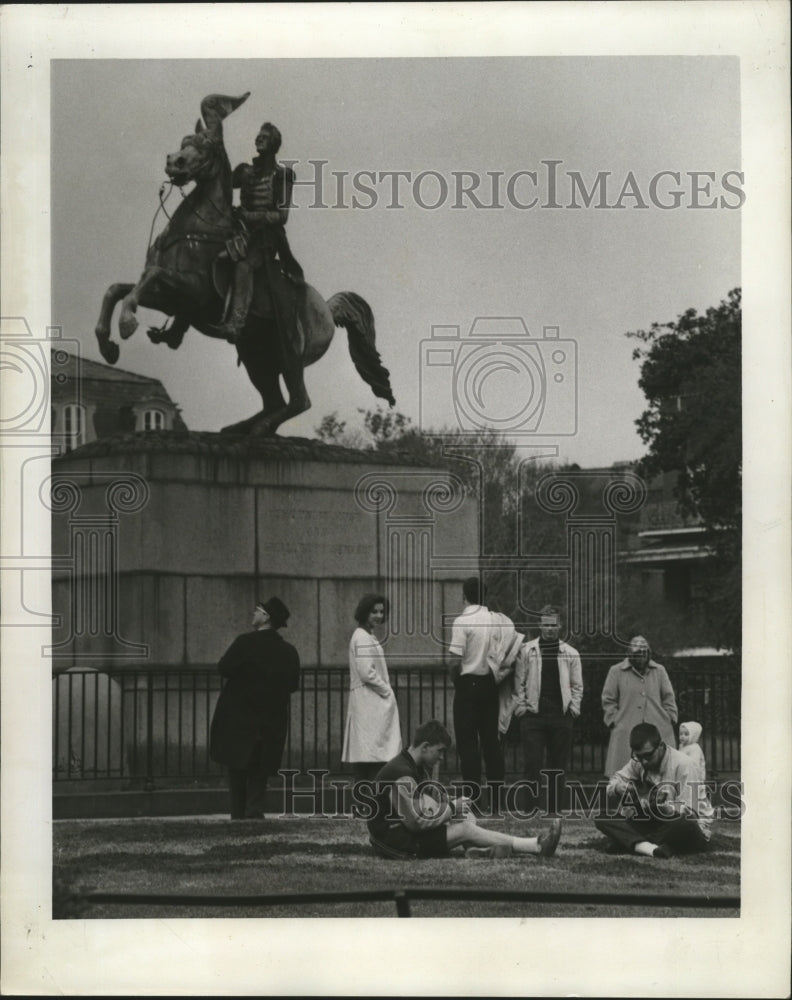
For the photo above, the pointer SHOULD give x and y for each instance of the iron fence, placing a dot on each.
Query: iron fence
(151, 726)
(402, 898)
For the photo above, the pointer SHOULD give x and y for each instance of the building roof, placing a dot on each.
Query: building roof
(77, 367)
(237, 446)
(78, 380)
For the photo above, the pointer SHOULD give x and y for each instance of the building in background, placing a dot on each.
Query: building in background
(669, 566)
(90, 400)
(669, 549)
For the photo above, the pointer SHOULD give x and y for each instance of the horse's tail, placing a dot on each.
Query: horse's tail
(354, 314)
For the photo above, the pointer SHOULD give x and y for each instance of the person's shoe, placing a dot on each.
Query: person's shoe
(499, 851)
(548, 841)
(661, 851)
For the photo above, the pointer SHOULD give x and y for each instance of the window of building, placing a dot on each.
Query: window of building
(153, 420)
(73, 426)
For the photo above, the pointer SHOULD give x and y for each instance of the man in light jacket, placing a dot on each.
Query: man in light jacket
(548, 681)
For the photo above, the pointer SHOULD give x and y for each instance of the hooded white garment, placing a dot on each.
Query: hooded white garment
(693, 750)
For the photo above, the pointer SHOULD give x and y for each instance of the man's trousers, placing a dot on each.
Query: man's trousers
(248, 787)
(547, 745)
(680, 834)
(476, 709)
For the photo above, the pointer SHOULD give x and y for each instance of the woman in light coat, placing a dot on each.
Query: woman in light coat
(372, 736)
(636, 690)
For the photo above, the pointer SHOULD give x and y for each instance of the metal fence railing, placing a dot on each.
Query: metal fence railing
(402, 898)
(149, 726)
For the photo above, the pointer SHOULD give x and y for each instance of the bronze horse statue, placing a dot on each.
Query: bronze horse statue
(187, 275)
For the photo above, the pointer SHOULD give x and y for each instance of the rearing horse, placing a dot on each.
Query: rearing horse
(186, 277)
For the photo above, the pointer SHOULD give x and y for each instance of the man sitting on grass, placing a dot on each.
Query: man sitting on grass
(409, 824)
(665, 809)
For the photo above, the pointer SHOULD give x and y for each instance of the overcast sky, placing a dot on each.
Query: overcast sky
(594, 273)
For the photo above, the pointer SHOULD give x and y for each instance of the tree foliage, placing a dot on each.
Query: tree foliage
(690, 375)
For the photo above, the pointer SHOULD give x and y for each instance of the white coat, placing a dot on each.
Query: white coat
(372, 732)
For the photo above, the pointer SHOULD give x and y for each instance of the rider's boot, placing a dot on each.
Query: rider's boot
(240, 303)
(294, 272)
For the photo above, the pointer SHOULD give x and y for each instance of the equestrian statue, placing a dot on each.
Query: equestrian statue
(230, 273)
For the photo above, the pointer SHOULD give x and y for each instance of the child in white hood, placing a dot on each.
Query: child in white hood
(689, 733)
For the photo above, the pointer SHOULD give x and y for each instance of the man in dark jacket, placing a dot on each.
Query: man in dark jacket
(252, 715)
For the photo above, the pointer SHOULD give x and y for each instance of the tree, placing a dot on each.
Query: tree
(690, 375)
(331, 430)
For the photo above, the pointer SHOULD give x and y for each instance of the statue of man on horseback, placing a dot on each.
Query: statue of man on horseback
(265, 197)
(278, 323)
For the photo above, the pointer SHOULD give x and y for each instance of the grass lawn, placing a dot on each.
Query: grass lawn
(211, 855)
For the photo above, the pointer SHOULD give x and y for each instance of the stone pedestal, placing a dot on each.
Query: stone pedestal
(162, 543)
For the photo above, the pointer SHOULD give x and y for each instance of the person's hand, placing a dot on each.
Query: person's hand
(461, 807)
(520, 710)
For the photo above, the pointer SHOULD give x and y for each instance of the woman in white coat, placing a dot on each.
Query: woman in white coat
(372, 736)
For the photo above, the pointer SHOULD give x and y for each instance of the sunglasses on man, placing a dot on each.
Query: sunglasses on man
(642, 758)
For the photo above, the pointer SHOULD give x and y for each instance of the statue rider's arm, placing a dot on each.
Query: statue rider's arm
(240, 174)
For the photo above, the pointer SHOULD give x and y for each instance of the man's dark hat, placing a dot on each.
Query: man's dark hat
(277, 611)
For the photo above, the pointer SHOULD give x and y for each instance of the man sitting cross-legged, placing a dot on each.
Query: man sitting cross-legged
(407, 823)
(664, 807)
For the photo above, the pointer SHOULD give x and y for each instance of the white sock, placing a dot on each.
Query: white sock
(525, 845)
(645, 847)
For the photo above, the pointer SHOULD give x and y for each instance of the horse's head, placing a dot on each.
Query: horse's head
(200, 155)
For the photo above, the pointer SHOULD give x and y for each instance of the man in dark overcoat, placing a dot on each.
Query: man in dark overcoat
(251, 718)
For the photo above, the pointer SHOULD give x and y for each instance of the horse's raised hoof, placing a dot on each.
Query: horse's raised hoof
(110, 351)
(127, 326)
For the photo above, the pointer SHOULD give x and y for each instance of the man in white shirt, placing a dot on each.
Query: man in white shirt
(476, 703)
